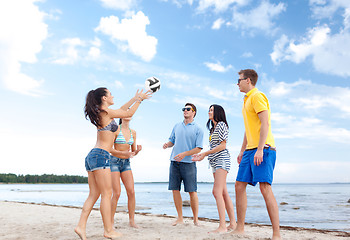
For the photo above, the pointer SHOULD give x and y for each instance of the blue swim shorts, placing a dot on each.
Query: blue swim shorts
(119, 164)
(97, 159)
(252, 174)
(186, 172)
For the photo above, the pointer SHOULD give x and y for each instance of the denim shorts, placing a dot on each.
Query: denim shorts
(119, 164)
(252, 174)
(97, 159)
(186, 172)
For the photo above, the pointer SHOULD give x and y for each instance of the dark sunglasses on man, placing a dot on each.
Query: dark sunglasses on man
(187, 109)
(241, 79)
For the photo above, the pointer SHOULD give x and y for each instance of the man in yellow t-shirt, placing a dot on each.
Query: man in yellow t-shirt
(258, 153)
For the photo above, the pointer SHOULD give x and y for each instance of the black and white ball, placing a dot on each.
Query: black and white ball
(153, 84)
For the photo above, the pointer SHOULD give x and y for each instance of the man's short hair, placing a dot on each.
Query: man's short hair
(193, 107)
(251, 74)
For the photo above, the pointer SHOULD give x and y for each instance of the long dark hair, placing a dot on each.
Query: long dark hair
(218, 116)
(92, 107)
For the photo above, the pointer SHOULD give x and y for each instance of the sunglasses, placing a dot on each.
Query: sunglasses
(187, 109)
(240, 79)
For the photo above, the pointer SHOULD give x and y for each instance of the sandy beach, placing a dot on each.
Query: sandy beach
(42, 221)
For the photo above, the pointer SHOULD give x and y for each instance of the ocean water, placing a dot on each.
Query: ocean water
(321, 206)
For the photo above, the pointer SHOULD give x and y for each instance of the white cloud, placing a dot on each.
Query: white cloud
(326, 9)
(318, 102)
(288, 50)
(306, 110)
(312, 97)
(282, 88)
(218, 5)
(217, 67)
(70, 53)
(180, 82)
(292, 127)
(217, 24)
(217, 93)
(179, 3)
(329, 53)
(94, 52)
(118, 84)
(96, 42)
(259, 18)
(74, 50)
(280, 50)
(334, 56)
(53, 14)
(175, 86)
(22, 32)
(119, 4)
(133, 32)
(247, 54)
(206, 88)
(257, 65)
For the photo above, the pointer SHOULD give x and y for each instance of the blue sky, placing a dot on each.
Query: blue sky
(53, 52)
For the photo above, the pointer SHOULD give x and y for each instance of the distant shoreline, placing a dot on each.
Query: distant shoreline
(13, 178)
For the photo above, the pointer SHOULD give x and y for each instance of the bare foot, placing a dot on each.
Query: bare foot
(231, 227)
(112, 234)
(196, 223)
(133, 224)
(238, 231)
(220, 230)
(81, 233)
(178, 221)
(277, 237)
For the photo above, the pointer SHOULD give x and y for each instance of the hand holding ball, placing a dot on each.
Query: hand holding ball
(153, 84)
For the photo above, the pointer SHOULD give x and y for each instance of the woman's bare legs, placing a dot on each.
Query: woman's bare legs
(94, 194)
(229, 209)
(116, 193)
(104, 183)
(128, 181)
(223, 200)
(99, 184)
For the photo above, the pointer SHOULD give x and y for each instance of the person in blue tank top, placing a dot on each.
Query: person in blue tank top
(120, 168)
(186, 139)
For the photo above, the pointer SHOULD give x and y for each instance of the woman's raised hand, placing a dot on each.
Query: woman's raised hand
(146, 95)
(140, 95)
(137, 95)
